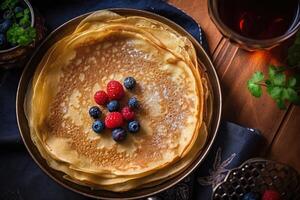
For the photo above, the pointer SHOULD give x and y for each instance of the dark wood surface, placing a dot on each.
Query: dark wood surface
(281, 128)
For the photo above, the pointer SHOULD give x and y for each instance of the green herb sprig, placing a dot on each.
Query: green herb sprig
(20, 33)
(279, 86)
(8, 4)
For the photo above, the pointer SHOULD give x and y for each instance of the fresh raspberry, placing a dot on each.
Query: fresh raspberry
(114, 120)
(271, 195)
(101, 97)
(127, 113)
(115, 90)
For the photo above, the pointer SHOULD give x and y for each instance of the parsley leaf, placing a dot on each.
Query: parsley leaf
(282, 89)
(19, 14)
(19, 35)
(25, 20)
(279, 87)
(8, 4)
(292, 82)
(276, 77)
(292, 95)
(275, 92)
(253, 84)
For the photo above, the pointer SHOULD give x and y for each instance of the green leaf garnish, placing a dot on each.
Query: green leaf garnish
(25, 20)
(282, 89)
(21, 32)
(274, 91)
(279, 87)
(19, 35)
(292, 82)
(8, 4)
(254, 84)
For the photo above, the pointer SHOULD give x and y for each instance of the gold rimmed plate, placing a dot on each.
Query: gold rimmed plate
(68, 28)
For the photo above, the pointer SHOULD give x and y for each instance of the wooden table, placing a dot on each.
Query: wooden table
(281, 128)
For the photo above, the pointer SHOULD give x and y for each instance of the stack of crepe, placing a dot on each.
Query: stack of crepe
(171, 90)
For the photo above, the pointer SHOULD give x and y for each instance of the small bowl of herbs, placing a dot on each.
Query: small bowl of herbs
(18, 32)
(16, 24)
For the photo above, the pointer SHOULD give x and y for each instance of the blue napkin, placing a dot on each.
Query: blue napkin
(57, 12)
(21, 178)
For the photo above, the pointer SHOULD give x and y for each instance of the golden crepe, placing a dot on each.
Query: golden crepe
(171, 90)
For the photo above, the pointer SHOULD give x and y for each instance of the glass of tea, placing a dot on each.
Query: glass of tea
(256, 24)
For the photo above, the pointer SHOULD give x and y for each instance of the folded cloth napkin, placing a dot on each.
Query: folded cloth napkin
(233, 145)
(21, 178)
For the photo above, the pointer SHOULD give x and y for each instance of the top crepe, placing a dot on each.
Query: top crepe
(106, 46)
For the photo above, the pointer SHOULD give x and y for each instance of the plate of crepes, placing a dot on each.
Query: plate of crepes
(119, 103)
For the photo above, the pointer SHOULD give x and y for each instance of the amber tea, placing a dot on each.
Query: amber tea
(259, 19)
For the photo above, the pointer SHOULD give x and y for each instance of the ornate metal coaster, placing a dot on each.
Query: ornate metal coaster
(257, 175)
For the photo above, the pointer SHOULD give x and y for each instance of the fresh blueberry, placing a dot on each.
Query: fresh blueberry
(4, 25)
(251, 196)
(2, 40)
(119, 134)
(18, 9)
(98, 126)
(113, 106)
(129, 83)
(133, 102)
(133, 126)
(95, 112)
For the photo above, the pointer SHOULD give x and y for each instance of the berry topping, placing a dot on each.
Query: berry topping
(98, 126)
(271, 195)
(251, 196)
(133, 126)
(129, 83)
(115, 90)
(133, 102)
(95, 112)
(119, 134)
(127, 113)
(101, 97)
(114, 120)
(113, 106)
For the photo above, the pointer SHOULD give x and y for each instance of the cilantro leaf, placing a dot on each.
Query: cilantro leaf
(253, 84)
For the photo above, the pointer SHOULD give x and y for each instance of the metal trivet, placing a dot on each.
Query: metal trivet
(257, 175)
